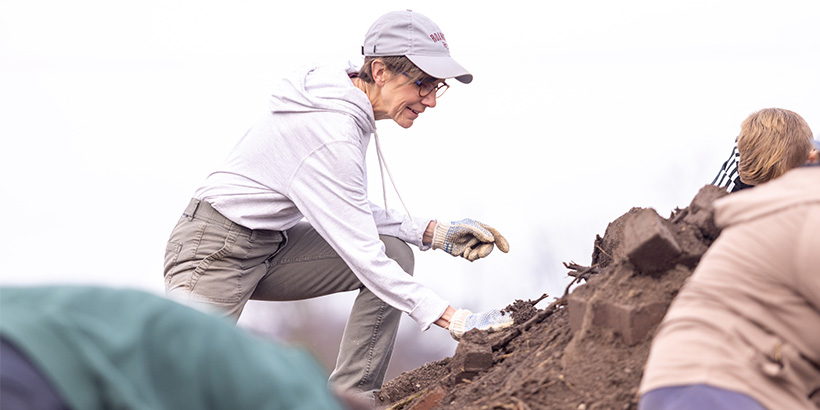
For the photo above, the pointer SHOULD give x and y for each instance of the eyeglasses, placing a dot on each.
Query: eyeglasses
(426, 88)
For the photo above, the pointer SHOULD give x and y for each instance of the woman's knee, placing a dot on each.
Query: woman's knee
(399, 251)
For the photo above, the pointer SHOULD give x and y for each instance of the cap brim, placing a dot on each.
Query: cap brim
(441, 67)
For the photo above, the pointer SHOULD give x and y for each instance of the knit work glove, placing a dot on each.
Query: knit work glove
(490, 320)
(468, 238)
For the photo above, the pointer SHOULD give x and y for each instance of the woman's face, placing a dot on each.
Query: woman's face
(401, 100)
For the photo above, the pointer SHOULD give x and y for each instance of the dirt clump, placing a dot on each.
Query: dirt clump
(587, 349)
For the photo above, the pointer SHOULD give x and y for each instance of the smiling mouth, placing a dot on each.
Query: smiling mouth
(414, 111)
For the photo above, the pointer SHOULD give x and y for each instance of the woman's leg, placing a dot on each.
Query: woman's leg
(211, 262)
(370, 333)
(308, 267)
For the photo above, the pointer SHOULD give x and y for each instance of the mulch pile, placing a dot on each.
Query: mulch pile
(587, 349)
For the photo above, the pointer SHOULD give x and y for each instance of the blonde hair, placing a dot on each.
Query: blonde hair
(771, 142)
(396, 64)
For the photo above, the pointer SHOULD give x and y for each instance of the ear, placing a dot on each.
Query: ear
(379, 71)
(814, 157)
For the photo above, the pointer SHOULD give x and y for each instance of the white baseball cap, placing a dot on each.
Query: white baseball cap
(409, 34)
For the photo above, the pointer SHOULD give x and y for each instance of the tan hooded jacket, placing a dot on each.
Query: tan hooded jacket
(748, 319)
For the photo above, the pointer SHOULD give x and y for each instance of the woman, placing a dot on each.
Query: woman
(242, 236)
(771, 142)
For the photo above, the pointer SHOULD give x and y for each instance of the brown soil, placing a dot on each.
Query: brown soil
(587, 349)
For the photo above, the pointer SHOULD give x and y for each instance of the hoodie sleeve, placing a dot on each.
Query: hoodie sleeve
(329, 189)
(394, 223)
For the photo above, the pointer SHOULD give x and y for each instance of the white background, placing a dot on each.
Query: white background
(112, 113)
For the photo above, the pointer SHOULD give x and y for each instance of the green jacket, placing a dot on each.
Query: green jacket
(109, 348)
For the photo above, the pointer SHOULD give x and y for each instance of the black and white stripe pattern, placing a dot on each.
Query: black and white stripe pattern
(728, 176)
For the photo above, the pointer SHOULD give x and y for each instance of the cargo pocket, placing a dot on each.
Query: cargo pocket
(180, 253)
(172, 250)
(217, 274)
(199, 262)
(783, 363)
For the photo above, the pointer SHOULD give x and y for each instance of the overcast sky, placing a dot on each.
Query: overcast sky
(112, 113)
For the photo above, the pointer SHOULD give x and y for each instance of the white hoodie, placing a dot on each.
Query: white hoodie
(306, 158)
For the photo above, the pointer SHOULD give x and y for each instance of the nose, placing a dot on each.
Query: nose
(429, 100)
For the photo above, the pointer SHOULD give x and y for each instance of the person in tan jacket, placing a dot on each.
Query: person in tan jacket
(744, 331)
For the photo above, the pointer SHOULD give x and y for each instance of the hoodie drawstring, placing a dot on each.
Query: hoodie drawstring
(383, 166)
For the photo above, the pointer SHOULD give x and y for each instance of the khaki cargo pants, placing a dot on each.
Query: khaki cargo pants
(213, 262)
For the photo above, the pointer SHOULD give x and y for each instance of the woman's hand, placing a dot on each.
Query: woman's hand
(467, 238)
(444, 320)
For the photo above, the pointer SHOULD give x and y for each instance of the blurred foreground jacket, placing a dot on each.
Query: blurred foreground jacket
(104, 348)
(747, 319)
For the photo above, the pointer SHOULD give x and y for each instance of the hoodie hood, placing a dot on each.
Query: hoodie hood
(794, 188)
(324, 89)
